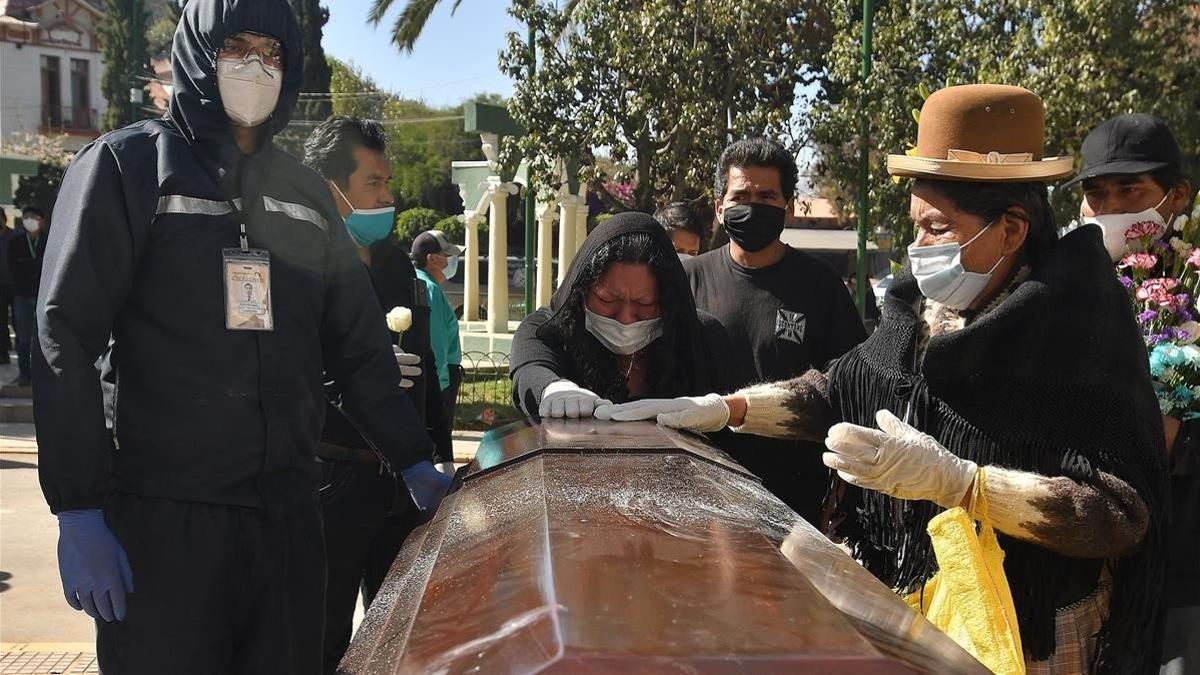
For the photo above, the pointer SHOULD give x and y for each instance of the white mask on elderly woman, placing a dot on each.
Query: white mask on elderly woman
(621, 338)
(941, 276)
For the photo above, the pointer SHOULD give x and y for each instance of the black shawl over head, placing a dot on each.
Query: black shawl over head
(1055, 381)
(681, 363)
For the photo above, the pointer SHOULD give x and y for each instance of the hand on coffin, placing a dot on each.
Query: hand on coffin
(696, 413)
(410, 366)
(564, 398)
(898, 460)
(426, 485)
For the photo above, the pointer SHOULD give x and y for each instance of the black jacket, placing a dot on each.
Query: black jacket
(198, 412)
(694, 356)
(24, 262)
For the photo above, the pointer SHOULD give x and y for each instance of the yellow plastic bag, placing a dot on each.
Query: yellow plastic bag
(969, 598)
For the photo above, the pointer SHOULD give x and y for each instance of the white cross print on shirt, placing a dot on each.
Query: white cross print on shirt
(790, 326)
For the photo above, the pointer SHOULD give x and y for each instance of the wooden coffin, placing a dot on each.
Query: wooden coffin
(583, 546)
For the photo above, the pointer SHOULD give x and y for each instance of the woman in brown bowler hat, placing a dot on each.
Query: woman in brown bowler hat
(1002, 346)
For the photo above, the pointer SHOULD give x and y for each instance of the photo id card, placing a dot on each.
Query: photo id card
(247, 289)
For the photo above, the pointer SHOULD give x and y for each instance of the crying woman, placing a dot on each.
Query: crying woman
(622, 326)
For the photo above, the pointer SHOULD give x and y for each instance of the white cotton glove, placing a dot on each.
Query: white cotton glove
(695, 413)
(410, 366)
(564, 398)
(898, 460)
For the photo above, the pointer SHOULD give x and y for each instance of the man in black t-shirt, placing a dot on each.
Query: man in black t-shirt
(787, 311)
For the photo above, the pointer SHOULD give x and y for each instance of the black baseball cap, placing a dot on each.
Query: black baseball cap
(1128, 144)
(433, 241)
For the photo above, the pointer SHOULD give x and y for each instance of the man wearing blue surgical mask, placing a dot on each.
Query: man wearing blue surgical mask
(366, 518)
(437, 262)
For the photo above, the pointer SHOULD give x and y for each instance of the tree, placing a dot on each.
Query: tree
(122, 33)
(422, 140)
(663, 84)
(312, 18)
(164, 17)
(1088, 61)
(411, 22)
(41, 189)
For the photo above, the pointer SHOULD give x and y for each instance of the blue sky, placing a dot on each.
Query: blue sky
(455, 58)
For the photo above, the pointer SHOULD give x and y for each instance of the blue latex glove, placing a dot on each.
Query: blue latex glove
(95, 572)
(426, 485)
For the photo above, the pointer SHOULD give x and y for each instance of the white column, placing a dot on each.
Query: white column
(567, 229)
(545, 254)
(581, 218)
(497, 304)
(471, 272)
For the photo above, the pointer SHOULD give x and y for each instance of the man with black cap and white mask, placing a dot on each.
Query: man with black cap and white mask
(185, 486)
(1133, 173)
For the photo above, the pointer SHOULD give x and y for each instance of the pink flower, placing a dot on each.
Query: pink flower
(1140, 261)
(1144, 228)
(1194, 258)
(1157, 291)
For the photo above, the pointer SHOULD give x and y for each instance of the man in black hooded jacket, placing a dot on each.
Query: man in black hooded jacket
(213, 273)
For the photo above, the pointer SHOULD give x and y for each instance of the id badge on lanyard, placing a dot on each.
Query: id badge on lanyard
(247, 273)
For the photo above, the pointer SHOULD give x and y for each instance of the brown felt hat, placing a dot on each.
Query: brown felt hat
(981, 132)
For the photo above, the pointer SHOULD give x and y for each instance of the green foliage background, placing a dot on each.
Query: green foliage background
(1089, 60)
(660, 84)
(422, 140)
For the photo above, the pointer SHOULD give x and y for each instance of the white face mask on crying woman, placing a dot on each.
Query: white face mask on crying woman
(621, 338)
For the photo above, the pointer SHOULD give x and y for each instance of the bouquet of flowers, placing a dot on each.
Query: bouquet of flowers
(1161, 271)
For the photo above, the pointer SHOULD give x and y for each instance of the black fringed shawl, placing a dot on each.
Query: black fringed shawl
(1054, 381)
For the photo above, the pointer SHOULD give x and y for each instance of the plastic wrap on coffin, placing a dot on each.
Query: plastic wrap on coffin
(598, 547)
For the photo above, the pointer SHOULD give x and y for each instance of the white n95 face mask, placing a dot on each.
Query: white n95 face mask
(620, 338)
(941, 276)
(249, 89)
(1115, 225)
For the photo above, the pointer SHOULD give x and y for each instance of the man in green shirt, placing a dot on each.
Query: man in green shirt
(437, 260)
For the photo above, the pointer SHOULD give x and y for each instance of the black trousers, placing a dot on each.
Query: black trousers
(367, 515)
(216, 589)
(6, 302)
(450, 393)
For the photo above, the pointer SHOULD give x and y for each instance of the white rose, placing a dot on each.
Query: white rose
(399, 319)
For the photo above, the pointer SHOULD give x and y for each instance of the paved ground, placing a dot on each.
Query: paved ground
(39, 633)
(32, 608)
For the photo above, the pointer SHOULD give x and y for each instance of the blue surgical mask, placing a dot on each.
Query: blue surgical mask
(367, 226)
(941, 276)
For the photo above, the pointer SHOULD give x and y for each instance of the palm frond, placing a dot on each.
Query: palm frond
(411, 23)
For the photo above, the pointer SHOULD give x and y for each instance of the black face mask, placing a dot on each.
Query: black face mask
(753, 226)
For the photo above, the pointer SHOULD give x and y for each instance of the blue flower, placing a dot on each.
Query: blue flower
(1173, 355)
(1191, 353)
(1157, 363)
(1184, 394)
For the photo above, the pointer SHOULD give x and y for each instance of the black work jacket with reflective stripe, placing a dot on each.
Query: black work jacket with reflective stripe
(197, 412)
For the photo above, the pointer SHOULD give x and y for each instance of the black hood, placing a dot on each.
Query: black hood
(196, 104)
(619, 225)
